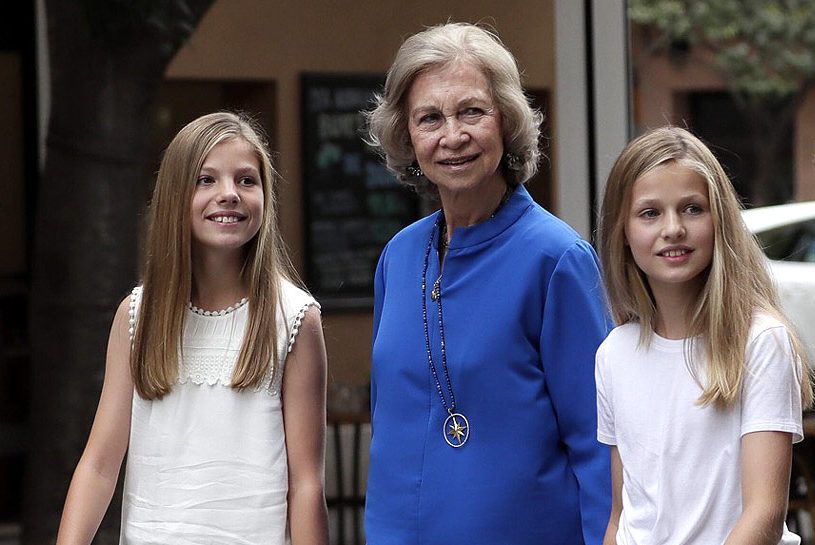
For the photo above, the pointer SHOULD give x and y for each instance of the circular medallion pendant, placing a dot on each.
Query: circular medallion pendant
(456, 430)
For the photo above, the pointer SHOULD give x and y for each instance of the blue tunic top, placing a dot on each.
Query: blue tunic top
(523, 316)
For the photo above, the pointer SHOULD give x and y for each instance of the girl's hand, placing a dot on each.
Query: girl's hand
(766, 460)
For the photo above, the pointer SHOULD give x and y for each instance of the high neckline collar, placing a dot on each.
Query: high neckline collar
(508, 214)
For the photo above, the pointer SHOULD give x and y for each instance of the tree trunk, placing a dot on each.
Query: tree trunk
(85, 248)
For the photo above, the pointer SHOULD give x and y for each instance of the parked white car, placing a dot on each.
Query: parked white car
(787, 234)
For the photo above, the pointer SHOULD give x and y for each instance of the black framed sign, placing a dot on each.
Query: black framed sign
(354, 205)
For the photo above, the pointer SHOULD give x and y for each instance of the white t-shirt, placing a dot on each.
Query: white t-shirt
(681, 461)
(206, 463)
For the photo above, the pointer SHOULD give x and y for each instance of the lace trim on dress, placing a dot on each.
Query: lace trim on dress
(131, 329)
(216, 370)
(223, 312)
(298, 320)
(209, 369)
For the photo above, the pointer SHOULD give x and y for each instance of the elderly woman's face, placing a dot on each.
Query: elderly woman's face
(455, 128)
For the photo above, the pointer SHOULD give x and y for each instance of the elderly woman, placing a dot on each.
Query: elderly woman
(487, 317)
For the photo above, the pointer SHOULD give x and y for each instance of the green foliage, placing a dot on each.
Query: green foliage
(764, 48)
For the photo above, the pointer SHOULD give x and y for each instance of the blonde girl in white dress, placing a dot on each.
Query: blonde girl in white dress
(216, 365)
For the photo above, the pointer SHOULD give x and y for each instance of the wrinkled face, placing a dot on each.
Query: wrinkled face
(227, 203)
(455, 128)
(669, 229)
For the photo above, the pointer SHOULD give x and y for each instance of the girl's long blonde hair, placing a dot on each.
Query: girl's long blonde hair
(737, 281)
(167, 280)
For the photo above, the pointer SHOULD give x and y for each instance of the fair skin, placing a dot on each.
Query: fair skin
(226, 213)
(455, 130)
(609, 538)
(669, 229)
(304, 392)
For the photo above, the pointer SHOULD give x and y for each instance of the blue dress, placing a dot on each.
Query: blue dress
(523, 317)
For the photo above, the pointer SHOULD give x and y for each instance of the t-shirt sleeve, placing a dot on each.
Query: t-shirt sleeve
(771, 393)
(605, 410)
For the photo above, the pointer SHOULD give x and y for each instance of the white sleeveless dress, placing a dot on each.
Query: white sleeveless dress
(207, 464)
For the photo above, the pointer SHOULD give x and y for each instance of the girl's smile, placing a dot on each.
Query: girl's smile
(677, 256)
(226, 218)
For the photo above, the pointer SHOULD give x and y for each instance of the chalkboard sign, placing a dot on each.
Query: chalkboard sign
(354, 205)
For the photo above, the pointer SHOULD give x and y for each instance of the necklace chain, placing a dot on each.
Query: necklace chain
(437, 292)
(456, 427)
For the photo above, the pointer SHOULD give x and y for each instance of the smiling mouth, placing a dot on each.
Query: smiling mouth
(674, 253)
(226, 219)
(459, 160)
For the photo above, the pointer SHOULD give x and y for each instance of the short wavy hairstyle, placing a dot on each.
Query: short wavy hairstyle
(439, 46)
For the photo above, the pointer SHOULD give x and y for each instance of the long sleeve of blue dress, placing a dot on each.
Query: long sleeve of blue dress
(575, 322)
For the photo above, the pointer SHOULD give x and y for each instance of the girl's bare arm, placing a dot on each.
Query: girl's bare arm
(616, 498)
(96, 473)
(304, 390)
(766, 459)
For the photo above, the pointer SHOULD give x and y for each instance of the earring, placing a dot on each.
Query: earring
(414, 170)
(512, 161)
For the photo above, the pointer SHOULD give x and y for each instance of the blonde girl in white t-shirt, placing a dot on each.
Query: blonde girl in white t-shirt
(700, 387)
(223, 445)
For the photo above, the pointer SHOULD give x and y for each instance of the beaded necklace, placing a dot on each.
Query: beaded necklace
(456, 427)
